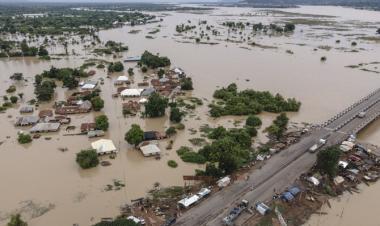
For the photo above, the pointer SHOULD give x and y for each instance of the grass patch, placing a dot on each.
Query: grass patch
(188, 155)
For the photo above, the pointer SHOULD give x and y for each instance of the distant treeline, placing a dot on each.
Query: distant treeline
(368, 4)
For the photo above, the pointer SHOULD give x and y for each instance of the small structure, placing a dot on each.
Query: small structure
(143, 100)
(131, 92)
(131, 106)
(338, 180)
(294, 190)
(153, 135)
(137, 220)
(95, 133)
(122, 80)
(104, 146)
(189, 201)
(80, 107)
(262, 208)
(27, 121)
(313, 180)
(26, 109)
(88, 85)
(86, 127)
(61, 119)
(224, 182)
(132, 59)
(148, 91)
(150, 150)
(45, 127)
(45, 113)
(287, 196)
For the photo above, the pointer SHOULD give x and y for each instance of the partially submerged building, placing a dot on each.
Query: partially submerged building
(86, 127)
(131, 92)
(104, 146)
(150, 149)
(27, 121)
(45, 127)
(26, 109)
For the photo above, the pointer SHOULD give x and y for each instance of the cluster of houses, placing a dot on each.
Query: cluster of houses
(44, 122)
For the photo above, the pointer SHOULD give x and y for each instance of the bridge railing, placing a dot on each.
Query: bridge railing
(366, 122)
(340, 114)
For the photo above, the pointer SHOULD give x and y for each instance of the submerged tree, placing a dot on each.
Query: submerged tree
(135, 135)
(87, 158)
(16, 221)
(156, 105)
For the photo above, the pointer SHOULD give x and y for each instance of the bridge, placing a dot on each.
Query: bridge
(283, 168)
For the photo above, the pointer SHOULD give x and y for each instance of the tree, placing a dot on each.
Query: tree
(87, 158)
(69, 81)
(24, 138)
(156, 105)
(327, 161)
(144, 69)
(117, 222)
(135, 135)
(289, 27)
(42, 51)
(187, 84)
(21, 95)
(97, 103)
(154, 61)
(13, 99)
(278, 126)
(101, 122)
(253, 120)
(45, 90)
(161, 73)
(16, 221)
(130, 71)
(116, 67)
(171, 131)
(175, 115)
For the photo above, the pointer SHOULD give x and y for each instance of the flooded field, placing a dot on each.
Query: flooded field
(48, 187)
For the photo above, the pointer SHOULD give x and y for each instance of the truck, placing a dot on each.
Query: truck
(361, 114)
(316, 146)
(235, 212)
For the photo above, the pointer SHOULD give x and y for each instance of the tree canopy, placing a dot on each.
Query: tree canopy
(97, 103)
(327, 161)
(101, 122)
(156, 105)
(87, 158)
(278, 126)
(154, 61)
(249, 101)
(135, 135)
(16, 221)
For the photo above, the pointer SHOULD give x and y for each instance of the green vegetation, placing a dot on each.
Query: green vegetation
(172, 164)
(197, 141)
(44, 90)
(24, 138)
(378, 31)
(249, 101)
(97, 103)
(130, 71)
(117, 222)
(175, 115)
(16, 221)
(187, 84)
(87, 158)
(327, 161)
(17, 76)
(115, 67)
(156, 105)
(13, 99)
(11, 89)
(101, 122)
(62, 19)
(154, 61)
(279, 126)
(188, 155)
(135, 135)
(68, 76)
(253, 120)
(171, 131)
(184, 28)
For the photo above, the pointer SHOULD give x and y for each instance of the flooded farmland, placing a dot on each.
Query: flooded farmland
(47, 186)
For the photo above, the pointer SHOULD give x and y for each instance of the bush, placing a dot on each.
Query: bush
(11, 89)
(87, 158)
(101, 122)
(253, 120)
(175, 115)
(170, 131)
(16, 221)
(279, 126)
(172, 164)
(187, 84)
(144, 69)
(13, 99)
(97, 103)
(130, 71)
(24, 138)
(188, 155)
(154, 61)
(117, 222)
(116, 67)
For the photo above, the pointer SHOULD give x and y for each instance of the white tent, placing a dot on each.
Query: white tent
(131, 92)
(104, 146)
(186, 202)
(122, 78)
(88, 86)
(150, 149)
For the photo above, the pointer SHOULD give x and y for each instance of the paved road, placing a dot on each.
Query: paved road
(282, 169)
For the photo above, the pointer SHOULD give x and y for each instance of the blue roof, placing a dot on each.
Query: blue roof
(294, 190)
(287, 196)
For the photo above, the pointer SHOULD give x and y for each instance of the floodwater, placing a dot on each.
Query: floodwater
(40, 177)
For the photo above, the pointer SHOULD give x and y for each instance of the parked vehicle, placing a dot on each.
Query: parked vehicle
(235, 212)
(316, 146)
(361, 114)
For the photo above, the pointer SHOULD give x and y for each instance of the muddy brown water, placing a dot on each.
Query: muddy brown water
(45, 175)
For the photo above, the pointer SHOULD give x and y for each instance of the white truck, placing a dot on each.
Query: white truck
(316, 146)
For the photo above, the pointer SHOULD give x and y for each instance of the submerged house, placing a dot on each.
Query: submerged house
(45, 113)
(27, 121)
(86, 127)
(80, 107)
(26, 109)
(45, 127)
(131, 92)
(104, 146)
(150, 149)
(153, 135)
